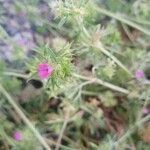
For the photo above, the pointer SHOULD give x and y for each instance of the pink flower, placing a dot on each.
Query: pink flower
(25, 43)
(44, 70)
(146, 110)
(139, 74)
(21, 42)
(18, 136)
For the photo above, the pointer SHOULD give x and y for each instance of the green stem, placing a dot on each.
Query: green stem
(16, 74)
(99, 46)
(131, 130)
(90, 80)
(61, 135)
(122, 19)
(101, 82)
(24, 118)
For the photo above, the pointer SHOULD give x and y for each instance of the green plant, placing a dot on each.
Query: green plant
(92, 98)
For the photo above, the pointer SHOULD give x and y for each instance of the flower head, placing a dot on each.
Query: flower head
(18, 136)
(146, 110)
(21, 42)
(44, 70)
(139, 74)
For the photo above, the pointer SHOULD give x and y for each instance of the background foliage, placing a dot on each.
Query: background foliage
(92, 101)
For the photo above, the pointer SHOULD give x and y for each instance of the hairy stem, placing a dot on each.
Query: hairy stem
(24, 118)
(101, 82)
(99, 46)
(16, 74)
(62, 131)
(131, 130)
(122, 19)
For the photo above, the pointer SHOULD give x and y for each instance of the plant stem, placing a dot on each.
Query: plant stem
(122, 19)
(96, 80)
(24, 118)
(62, 131)
(16, 74)
(131, 130)
(101, 82)
(99, 46)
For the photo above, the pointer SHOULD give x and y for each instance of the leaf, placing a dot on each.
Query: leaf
(108, 99)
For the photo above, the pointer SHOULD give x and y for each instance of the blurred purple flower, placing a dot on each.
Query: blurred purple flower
(25, 43)
(44, 70)
(22, 42)
(139, 74)
(18, 136)
(146, 110)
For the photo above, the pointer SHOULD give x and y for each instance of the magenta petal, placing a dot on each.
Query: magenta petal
(43, 74)
(44, 70)
(139, 74)
(18, 136)
(146, 110)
